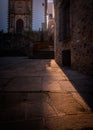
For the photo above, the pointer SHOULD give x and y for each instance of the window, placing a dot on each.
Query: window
(12, 22)
(64, 20)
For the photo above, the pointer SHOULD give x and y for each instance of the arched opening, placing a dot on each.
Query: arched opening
(19, 26)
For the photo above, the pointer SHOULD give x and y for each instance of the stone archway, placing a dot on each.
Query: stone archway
(19, 26)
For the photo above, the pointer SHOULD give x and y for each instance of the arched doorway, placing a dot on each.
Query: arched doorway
(19, 26)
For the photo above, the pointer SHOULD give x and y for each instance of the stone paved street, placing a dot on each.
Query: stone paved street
(37, 94)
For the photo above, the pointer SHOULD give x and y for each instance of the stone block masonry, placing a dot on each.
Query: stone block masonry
(74, 32)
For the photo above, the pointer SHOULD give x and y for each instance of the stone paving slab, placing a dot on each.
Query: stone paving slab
(12, 113)
(11, 99)
(65, 103)
(24, 84)
(18, 72)
(44, 110)
(53, 78)
(67, 86)
(67, 122)
(3, 82)
(70, 122)
(52, 86)
(9, 61)
(87, 105)
(23, 106)
(39, 95)
(23, 124)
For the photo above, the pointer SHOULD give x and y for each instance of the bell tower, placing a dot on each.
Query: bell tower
(20, 16)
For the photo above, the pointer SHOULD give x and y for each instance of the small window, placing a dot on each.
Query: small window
(12, 22)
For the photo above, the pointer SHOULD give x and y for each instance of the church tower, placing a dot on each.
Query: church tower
(20, 16)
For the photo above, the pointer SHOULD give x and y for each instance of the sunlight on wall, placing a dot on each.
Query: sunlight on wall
(50, 0)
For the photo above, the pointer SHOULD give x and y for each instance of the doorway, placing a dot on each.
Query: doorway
(19, 26)
(66, 58)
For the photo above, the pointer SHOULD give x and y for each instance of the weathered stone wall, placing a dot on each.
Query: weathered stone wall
(82, 35)
(57, 44)
(80, 40)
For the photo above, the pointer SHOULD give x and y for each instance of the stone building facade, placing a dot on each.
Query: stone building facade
(20, 15)
(27, 15)
(74, 34)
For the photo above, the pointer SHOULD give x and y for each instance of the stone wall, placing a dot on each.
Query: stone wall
(82, 35)
(57, 44)
(74, 32)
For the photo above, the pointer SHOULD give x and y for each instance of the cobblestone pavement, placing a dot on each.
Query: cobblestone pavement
(37, 94)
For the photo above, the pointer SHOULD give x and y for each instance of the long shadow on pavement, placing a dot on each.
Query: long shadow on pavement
(83, 85)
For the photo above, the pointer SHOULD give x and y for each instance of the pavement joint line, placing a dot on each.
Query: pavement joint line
(45, 118)
(83, 105)
(68, 92)
(9, 81)
(6, 91)
(53, 107)
(15, 121)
